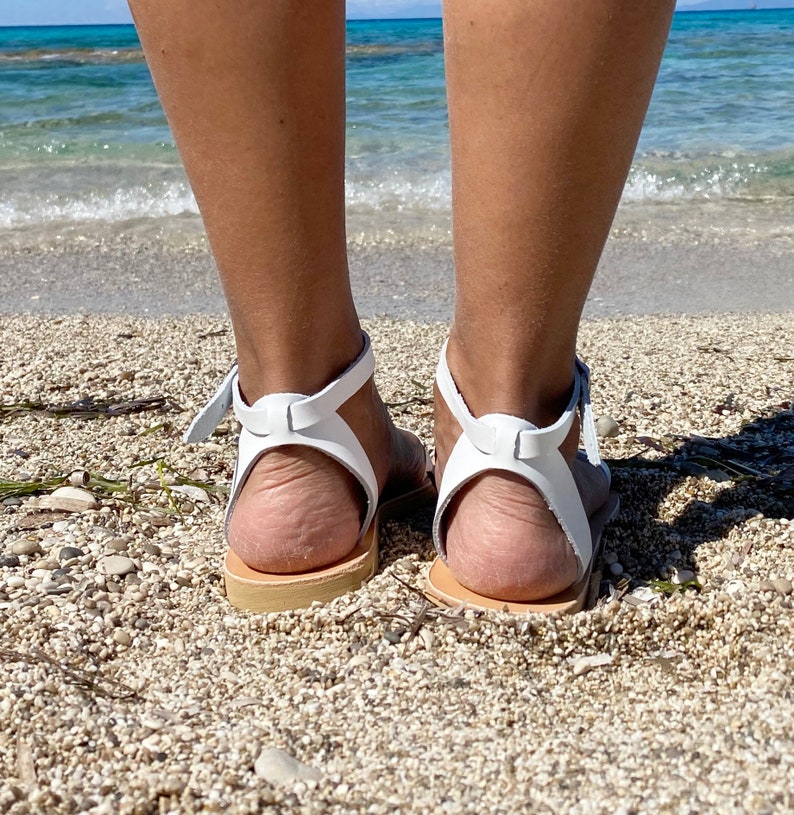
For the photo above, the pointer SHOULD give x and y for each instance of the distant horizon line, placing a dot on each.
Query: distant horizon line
(693, 10)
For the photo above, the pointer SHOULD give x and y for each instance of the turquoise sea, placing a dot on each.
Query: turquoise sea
(84, 146)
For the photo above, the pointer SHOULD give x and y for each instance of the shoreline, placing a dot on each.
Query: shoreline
(637, 275)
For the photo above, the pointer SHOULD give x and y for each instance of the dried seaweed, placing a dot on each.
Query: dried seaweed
(77, 677)
(181, 479)
(91, 408)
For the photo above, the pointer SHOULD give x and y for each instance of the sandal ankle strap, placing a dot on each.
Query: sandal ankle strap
(532, 441)
(301, 414)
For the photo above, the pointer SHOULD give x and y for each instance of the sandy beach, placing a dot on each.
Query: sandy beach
(128, 683)
(131, 686)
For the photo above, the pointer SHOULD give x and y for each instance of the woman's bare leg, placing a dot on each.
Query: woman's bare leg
(254, 93)
(546, 101)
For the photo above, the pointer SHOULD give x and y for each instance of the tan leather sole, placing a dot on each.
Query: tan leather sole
(252, 590)
(444, 590)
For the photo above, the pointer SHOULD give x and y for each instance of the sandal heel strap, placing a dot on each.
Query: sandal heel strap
(589, 433)
(298, 411)
(281, 419)
(498, 442)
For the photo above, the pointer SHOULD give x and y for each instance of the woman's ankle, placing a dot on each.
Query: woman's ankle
(510, 379)
(303, 364)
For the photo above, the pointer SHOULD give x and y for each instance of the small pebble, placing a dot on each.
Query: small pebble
(116, 565)
(616, 569)
(607, 427)
(279, 767)
(781, 585)
(25, 547)
(69, 552)
(9, 561)
(122, 637)
(610, 558)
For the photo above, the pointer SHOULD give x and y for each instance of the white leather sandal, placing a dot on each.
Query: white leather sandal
(510, 444)
(281, 419)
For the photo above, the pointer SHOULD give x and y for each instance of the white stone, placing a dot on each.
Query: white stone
(116, 565)
(278, 767)
(197, 494)
(646, 594)
(584, 665)
(69, 499)
(682, 576)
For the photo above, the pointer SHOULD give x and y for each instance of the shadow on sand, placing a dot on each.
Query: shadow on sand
(756, 465)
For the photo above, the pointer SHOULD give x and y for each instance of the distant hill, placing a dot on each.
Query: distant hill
(727, 5)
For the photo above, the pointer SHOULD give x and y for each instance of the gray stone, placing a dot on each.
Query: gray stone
(607, 427)
(8, 561)
(25, 547)
(278, 767)
(69, 552)
(616, 569)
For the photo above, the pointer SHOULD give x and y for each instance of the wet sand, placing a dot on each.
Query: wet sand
(636, 276)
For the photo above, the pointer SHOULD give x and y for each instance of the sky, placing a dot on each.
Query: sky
(57, 12)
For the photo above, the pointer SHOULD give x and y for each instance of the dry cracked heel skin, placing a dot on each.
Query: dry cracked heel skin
(256, 591)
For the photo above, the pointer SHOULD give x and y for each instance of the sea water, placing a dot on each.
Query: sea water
(85, 148)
